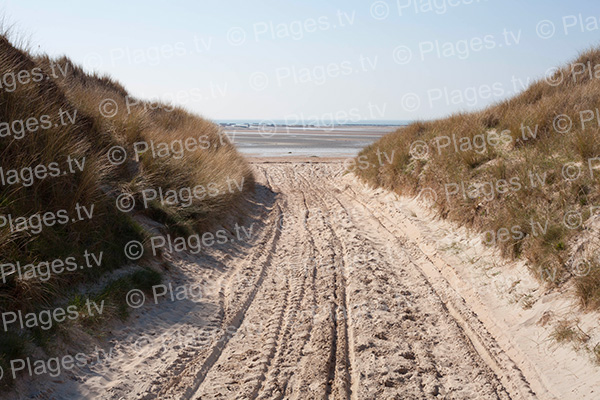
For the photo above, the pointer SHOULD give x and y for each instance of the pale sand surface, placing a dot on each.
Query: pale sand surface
(342, 292)
(336, 141)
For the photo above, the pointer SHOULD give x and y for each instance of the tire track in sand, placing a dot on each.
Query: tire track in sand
(345, 311)
(186, 383)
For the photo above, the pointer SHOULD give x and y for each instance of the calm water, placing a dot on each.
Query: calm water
(340, 141)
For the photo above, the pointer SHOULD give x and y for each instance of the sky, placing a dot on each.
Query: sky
(314, 60)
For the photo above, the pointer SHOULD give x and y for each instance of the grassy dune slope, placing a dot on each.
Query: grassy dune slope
(65, 102)
(518, 171)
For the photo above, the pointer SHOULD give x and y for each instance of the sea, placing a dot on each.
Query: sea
(277, 138)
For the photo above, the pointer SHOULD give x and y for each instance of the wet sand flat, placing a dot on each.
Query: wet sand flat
(337, 141)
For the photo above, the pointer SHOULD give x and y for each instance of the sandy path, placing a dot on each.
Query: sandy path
(343, 311)
(332, 298)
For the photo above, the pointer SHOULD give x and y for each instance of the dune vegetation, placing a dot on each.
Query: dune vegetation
(60, 178)
(523, 172)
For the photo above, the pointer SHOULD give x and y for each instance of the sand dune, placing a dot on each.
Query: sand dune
(341, 292)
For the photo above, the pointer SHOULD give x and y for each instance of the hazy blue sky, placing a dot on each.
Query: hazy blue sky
(312, 59)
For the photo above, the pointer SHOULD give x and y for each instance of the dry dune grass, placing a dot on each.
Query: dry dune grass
(531, 150)
(63, 89)
(214, 162)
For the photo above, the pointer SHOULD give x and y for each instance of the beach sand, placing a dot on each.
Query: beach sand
(342, 291)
